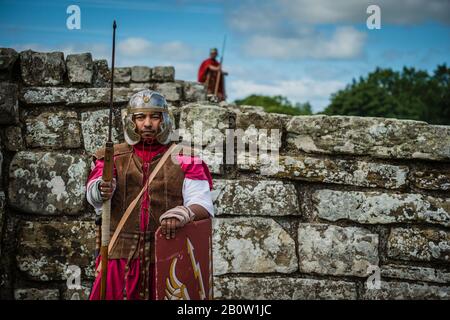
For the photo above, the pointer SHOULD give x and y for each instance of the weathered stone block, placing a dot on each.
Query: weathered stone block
(102, 75)
(140, 74)
(80, 68)
(53, 130)
(431, 179)
(172, 91)
(122, 75)
(249, 197)
(74, 97)
(307, 168)
(8, 58)
(380, 208)
(419, 244)
(377, 137)
(407, 291)
(163, 74)
(59, 95)
(415, 273)
(47, 249)
(282, 288)
(36, 294)
(94, 126)
(141, 86)
(260, 119)
(41, 68)
(9, 106)
(334, 250)
(194, 91)
(204, 124)
(258, 129)
(47, 183)
(13, 139)
(256, 245)
(264, 162)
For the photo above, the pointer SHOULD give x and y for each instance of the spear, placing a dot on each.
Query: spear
(219, 73)
(107, 176)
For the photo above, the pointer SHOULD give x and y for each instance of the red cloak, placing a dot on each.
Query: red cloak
(204, 67)
(210, 76)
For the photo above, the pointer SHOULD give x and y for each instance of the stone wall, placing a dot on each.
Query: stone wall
(352, 201)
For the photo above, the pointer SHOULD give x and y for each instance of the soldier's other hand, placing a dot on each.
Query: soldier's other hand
(107, 189)
(169, 226)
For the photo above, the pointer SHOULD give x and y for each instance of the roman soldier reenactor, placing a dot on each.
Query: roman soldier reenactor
(212, 76)
(178, 195)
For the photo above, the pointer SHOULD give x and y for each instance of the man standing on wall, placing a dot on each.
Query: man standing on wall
(179, 194)
(211, 75)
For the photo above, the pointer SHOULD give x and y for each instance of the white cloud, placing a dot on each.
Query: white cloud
(254, 15)
(177, 50)
(141, 47)
(301, 90)
(289, 29)
(354, 11)
(344, 43)
(249, 17)
(133, 47)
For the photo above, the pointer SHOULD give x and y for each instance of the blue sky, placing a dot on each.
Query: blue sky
(302, 49)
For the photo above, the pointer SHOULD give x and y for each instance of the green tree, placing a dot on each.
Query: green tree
(409, 94)
(276, 104)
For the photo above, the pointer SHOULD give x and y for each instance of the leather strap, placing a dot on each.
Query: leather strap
(133, 204)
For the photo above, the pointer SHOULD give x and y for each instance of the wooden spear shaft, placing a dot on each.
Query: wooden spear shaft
(107, 176)
(219, 73)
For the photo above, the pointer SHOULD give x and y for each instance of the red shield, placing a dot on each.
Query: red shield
(184, 264)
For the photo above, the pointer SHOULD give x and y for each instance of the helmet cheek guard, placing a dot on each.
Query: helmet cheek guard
(129, 128)
(166, 128)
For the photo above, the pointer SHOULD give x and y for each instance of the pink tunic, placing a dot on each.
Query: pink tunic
(195, 170)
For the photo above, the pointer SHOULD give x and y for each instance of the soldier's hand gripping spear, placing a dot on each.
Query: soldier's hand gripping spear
(107, 176)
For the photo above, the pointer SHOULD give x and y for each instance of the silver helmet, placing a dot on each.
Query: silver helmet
(146, 101)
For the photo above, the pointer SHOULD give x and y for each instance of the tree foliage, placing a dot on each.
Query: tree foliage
(409, 94)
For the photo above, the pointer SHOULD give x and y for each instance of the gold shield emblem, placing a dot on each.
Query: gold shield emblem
(183, 265)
